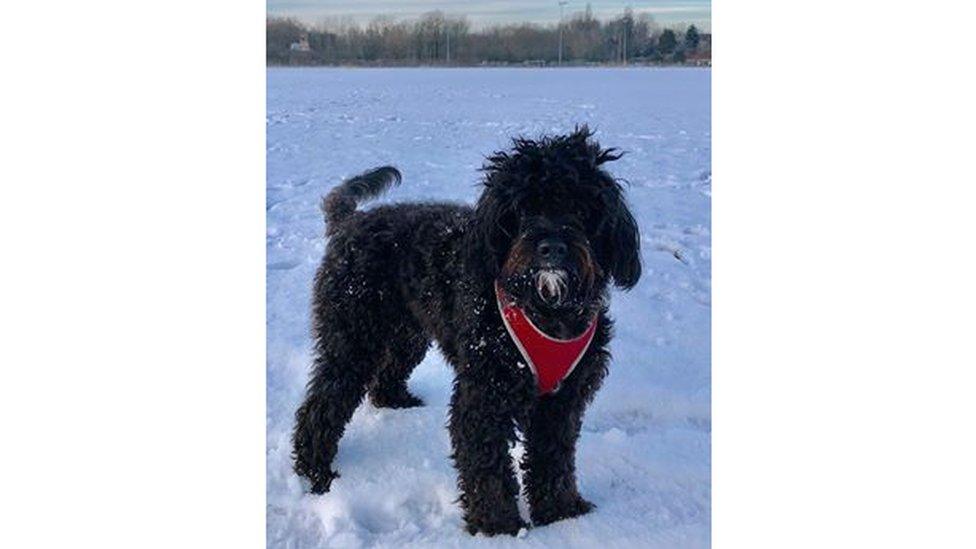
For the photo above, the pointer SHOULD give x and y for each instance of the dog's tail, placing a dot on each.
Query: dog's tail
(341, 202)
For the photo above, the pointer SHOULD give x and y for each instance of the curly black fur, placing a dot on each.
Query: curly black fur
(397, 277)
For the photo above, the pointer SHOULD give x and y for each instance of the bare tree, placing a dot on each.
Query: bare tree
(437, 38)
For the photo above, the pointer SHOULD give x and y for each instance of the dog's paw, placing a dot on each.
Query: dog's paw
(563, 509)
(322, 483)
(493, 527)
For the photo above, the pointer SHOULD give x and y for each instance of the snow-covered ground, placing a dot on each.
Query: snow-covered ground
(644, 454)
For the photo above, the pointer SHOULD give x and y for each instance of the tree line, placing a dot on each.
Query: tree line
(439, 39)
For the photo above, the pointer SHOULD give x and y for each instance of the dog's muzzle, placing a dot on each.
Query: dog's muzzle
(551, 285)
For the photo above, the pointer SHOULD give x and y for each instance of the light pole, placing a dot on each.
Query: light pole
(562, 4)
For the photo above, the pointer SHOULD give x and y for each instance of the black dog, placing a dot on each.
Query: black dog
(552, 230)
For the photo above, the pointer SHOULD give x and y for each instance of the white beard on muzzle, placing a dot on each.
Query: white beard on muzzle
(551, 285)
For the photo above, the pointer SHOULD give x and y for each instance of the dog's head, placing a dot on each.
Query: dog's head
(552, 225)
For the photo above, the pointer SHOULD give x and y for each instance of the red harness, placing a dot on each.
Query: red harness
(551, 359)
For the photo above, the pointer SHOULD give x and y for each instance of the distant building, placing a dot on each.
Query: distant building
(702, 56)
(301, 45)
(705, 43)
(698, 59)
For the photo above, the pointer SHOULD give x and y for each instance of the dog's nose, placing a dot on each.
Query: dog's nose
(552, 249)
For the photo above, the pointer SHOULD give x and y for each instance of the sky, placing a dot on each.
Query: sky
(486, 12)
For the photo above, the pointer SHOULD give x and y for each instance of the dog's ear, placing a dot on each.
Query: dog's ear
(620, 237)
(491, 233)
(622, 243)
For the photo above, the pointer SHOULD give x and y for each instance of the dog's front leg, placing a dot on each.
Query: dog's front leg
(482, 430)
(549, 462)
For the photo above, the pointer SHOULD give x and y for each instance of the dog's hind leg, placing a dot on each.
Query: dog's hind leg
(337, 387)
(388, 388)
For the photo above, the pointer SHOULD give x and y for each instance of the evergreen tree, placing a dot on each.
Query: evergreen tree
(667, 42)
(692, 39)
